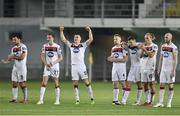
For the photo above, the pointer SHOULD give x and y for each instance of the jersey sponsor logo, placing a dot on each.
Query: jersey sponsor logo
(50, 54)
(16, 49)
(168, 49)
(117, 50)
(149, 48)
(76, 50)
(116, 55)
(166, 54)
(133, 51)
(50, 48)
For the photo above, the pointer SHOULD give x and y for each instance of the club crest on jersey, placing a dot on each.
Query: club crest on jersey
(50, 54)
(166, 54)
(76, 50)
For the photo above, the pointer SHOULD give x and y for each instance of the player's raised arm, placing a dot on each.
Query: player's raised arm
(63, 38)
(88, 42)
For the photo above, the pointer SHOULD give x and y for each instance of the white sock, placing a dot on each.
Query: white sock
(24, 90)
(125, 96)
(161, 95)
(15, 93)
(90, 91)
(116, 94)
(148, 96)
(42, 91)
(57, 94)
(171, 93)
(76, 93)
(139, 94)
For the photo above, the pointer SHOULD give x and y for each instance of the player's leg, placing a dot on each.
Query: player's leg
(161, 95)
(139, 92)
(22, 83)
(139, 85)
(147, 94)
(24, 91)
(14, 91)
(115, 93)
(153, 91)
(126, 91)
(75, 79)
(43, 89)
(163, 80)
(89, 88)
(57, 90)
(14, 86)
(171, 93)
(76, 91)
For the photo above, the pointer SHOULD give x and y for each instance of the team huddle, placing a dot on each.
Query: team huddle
(142, 70)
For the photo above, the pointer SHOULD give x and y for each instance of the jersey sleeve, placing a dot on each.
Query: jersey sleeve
(85, 44)
(59, 51)
(24, 49)
(161, 50)
(175, 50)
(155, 48)
(125, 52)
(43, 49)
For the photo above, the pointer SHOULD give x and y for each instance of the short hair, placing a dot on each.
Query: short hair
(51, 35)
(117, 35)
(131, 38)
(19, 36)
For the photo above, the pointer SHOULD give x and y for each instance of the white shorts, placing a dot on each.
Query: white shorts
(51, 72)
(78, 71)
(165, 77)
(119, 74)
(19, 75)
(148, 75)
(134, 74)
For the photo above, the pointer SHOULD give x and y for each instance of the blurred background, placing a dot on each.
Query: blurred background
(33, 19)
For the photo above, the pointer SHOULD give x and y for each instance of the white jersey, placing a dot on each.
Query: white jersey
(51, 52)
(135, 53)
(77, 52)
(147, 62)
(18, 51)
(118, 52)
(167, 52)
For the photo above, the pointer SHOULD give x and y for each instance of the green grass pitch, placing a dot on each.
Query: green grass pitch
(102, 106)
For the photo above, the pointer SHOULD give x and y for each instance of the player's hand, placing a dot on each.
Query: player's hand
(173, 73)
(88, 28)
(158, 72)
(5, 61)
(10, 57)
(109, 59)
(61, 28)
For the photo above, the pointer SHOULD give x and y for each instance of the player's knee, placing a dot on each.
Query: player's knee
(57, 86)
(14, 85)
(75, 86)
(171, 89)
(44, 85)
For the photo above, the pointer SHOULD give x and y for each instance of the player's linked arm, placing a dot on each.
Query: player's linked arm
(60, 58)
(149, 53)
(122, 60)
(89, 41)
(63, 38)
(21, 57)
